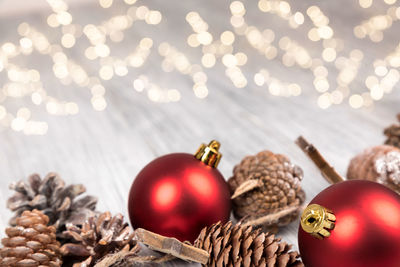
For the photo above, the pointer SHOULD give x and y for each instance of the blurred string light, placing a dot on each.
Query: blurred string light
(262, 40)
(386, 75)
(154, 92)
(275, 86)
(347, 66)
(175, 60)
(216, 48)
(282, 9)
(24, 82)
(213, 50)
(375, 26)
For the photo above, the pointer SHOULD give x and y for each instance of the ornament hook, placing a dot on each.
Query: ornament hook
(209, 154)
(318, 221)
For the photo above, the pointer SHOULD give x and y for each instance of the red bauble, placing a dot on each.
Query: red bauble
(366, 232)
(177, 195)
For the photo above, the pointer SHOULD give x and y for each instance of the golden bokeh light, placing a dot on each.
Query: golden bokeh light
(227, 38)
(106, 72)
(105, 3)
(365, 3)
(332, 63)
(68, 40)
(356, 101)
(208, 60)
(325, 101)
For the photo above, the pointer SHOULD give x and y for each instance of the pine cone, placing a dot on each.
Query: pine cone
(267, 184)
(54, 199)
(379, 164)
(31, 243)
(242, 246)
(393, 134)
(100, 236)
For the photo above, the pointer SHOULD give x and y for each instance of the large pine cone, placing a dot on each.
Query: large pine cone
(56, 200)
(99, 237)
(379, 164)
(242, 246)
(393, 134)
(31, 243)
(266, 184)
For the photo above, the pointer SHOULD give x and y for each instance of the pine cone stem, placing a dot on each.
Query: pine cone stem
(329, 173)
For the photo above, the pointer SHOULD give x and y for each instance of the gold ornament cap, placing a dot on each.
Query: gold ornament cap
(318, 221)
(209, 154)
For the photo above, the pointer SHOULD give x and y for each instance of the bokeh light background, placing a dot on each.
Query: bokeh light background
(337, 53)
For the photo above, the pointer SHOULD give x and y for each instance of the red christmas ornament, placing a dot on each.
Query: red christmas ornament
(352, 224)
(178, 194)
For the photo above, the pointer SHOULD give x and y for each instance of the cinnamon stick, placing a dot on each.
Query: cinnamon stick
(329, 173)
(172, 246)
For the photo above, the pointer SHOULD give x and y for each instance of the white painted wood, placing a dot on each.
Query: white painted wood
(105, 150)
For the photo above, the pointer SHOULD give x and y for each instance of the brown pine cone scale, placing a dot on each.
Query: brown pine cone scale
(100, 236)
(61, 203)
(266, 184)
(31, 242)
(379, 164)
(236, 245)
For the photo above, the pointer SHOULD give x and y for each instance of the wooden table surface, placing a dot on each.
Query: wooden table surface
(105, 150)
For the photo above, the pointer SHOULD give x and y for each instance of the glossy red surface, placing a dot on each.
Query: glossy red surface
(177, 195)
(367, 231)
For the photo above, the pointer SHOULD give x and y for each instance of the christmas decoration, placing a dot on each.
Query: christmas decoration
(366, 227)
(351, 223)
(106, 240)
(100, 236)
(267, 184)
(393, 134)
(379, 164)
(31, 242)
(172, 246)
(178, 194)
(237, 245)
(50, 195)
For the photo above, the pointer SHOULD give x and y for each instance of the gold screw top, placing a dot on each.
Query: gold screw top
(318, 221)
(209, 153)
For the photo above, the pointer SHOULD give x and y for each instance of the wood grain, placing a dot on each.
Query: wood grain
(105, 150)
